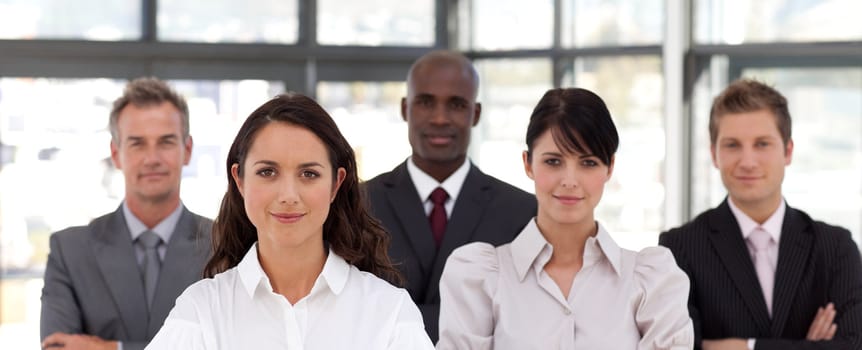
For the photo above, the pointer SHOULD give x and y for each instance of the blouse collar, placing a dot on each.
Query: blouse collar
(334, 274)
(530, 249)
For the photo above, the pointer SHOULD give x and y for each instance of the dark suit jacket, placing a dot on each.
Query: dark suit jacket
(93, 284)
(486, 210)
(817, 264)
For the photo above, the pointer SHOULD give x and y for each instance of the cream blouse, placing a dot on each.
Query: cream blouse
(501, 298)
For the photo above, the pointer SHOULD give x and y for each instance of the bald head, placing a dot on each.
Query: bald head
(440, 60)
(440, 110)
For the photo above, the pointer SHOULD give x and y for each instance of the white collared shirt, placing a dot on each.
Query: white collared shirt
(502, 298)
(772, 226)
(346, 309)
(425, 184)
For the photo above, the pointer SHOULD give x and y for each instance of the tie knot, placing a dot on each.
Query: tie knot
(760, 239)
(439, 196)
(149, 239)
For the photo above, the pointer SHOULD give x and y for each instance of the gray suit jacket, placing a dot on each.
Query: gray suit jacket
(93, 284)
(486, 210)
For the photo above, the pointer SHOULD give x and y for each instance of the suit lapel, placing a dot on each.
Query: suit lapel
(180, 268)
(727, 240)
(407, 206)
(466, 215)
(794, 252)
(115, 257)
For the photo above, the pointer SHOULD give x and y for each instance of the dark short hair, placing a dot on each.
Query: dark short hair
(748, 95)
(579, 121)
(144, 92)
(349, 229)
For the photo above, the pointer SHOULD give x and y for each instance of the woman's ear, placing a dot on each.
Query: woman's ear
(234, 173)
(528, 168)
(340, 174)
(611, 167)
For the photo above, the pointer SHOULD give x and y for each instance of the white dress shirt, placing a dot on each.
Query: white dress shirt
(425, 184)
(501, 298)
(346, 309)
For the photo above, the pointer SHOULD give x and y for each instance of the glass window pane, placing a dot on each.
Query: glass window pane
(376, 22)
(825, 177)
(251, 21)
(364, 111)
(509, 90)
(632, 207)
(61, 148)
(747, 21)
(612, 22)
(508, 24)
(84, 19)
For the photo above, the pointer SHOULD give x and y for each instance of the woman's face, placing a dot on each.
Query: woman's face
(568, 185)
(287, 185)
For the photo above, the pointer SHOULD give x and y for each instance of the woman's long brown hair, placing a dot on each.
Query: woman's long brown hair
(350, 230)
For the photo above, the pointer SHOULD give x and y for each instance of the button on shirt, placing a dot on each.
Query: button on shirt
(502, 298)
(346, 309)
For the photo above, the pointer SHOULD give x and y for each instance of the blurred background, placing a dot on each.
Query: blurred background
(657, 64)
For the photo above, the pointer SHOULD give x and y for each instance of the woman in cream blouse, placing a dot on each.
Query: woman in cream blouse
(564, 283)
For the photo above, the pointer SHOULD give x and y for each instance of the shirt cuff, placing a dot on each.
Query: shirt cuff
(750, 344)
(119, 345)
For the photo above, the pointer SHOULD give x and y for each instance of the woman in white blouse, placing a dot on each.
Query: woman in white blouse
(298, 261)
(564, 283)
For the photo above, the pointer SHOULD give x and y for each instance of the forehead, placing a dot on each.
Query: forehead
(759, 123)
(143, 119)
(442, 79)
(287, 144)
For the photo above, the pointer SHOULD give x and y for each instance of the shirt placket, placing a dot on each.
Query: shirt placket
(292, 328)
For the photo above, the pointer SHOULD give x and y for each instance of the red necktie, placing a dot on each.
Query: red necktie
(438, 214)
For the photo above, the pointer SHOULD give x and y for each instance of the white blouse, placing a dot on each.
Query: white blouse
(346, 309)
(501, 298)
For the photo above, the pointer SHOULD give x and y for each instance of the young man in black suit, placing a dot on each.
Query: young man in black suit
(763, 274)
(440, 110)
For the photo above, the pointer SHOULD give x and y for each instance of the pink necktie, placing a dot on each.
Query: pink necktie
(437, 218)
(761, 240)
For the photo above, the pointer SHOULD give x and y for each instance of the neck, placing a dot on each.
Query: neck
(759, 211)
(151, 213)
(568, 240)
(440, 171)
(292, 270)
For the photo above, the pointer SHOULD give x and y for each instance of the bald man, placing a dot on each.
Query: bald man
(437, 200)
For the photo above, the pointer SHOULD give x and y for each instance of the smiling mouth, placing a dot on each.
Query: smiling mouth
(439, 140)
(152, 175)
(569, 199)
(287, 218)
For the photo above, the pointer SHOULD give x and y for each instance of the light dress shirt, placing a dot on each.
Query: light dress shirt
(425, 184)
(346, 309)
(772, 226)
(501, 298)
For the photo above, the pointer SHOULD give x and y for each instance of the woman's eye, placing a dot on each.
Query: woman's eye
(589, 163)
(266, 172)
(310, 174)
(552, 161)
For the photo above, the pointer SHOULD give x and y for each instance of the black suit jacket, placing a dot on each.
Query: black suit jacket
(486, 210)
(93, 283)
(817, 264)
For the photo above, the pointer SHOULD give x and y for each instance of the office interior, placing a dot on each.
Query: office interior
(657, 64)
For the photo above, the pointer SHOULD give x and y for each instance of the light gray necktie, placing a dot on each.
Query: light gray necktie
(152, 263)
(761, 240)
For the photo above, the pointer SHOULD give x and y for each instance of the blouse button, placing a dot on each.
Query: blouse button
(567, 311)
